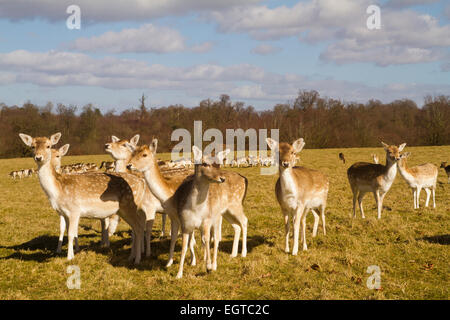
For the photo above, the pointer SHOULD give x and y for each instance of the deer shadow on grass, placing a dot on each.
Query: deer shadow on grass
(439, 239)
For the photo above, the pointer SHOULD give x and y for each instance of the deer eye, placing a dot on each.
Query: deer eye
(57, 156)
(48, 147)
(144, 155)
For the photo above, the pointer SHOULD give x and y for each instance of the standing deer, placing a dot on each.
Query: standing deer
(122, 154)
(57, 155)
(90, 195)
(341, 156)
(298, 190)
(201, 202)
(144, 160)
(418, 177)
(447, 170)
(376, 178)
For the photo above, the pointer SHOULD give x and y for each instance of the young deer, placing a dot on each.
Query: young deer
(90, 195)
(298, 190)
(375, 158)
(376, 178)
(418, 177)
(122, 154)
(447, 170)
(201, 202)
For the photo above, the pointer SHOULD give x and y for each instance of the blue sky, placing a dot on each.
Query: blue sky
(259, 52)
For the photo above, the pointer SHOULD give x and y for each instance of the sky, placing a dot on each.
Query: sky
(184, 51)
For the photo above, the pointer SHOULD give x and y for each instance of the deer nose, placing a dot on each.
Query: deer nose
(222, 180)
(107, 146)
(285, 164)
(130, 166)
(38, 158)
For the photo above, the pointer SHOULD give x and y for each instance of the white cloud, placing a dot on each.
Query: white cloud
(109, 10)
(265, 49)
(242, 81)
(408, 3)
(406, 36)
(147, 38)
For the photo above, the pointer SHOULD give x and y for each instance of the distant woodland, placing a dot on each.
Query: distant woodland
(323, 122)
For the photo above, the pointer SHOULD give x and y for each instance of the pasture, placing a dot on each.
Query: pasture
(411, 247)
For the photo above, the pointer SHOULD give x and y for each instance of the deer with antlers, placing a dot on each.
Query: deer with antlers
(298, 190)
(376, 178)
(90, 195)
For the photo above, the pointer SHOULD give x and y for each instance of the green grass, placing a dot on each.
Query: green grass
(410, 247)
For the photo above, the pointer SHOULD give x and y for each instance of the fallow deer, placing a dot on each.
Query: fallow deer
(201, 202)
(447, 170)
(298, 190)
(144, 160)
(90, 195)
(122, 154)
(376, 178)
(418, 177)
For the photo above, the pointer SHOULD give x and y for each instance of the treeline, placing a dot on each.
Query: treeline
(322, 122)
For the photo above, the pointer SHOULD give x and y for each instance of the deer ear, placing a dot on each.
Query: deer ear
(63, 150)
(55, 138)
(298, 145)
(28, 140)
(401, 147)
(130, 146)
(197, 154)
(385, 145)
(273, 144)
(154, 145)
(134, 141)
(114, 139)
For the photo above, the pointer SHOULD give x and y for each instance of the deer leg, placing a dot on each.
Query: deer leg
(286, 231)
(415, 197)
(355, 196)
(217, 225)
(192, 248)
(433, 191)
(297, 218)
(184, 248)
(206, 236)
(113, 223)
(428, 191)
(322, 214)
(316, 222)
(173, 240)
(74, 218)
(360, 199)
(62, 229)
(418, 196)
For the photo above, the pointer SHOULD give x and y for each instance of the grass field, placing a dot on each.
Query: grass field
(410, 247)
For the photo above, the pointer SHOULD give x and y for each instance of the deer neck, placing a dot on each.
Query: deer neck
(391, 170)
(404, 170)
(287, 181)
(50, 183)
(121, 164)
(157, 184)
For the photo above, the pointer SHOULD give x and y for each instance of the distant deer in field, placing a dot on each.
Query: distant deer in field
(90, 195)
(418, 177)
(108, 165)
(341, 156)
(447, 170)
(201, 202)
(375, 158)
(298, 190)
(376, 178)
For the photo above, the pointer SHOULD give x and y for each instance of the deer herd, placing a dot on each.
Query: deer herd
(137, 186)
